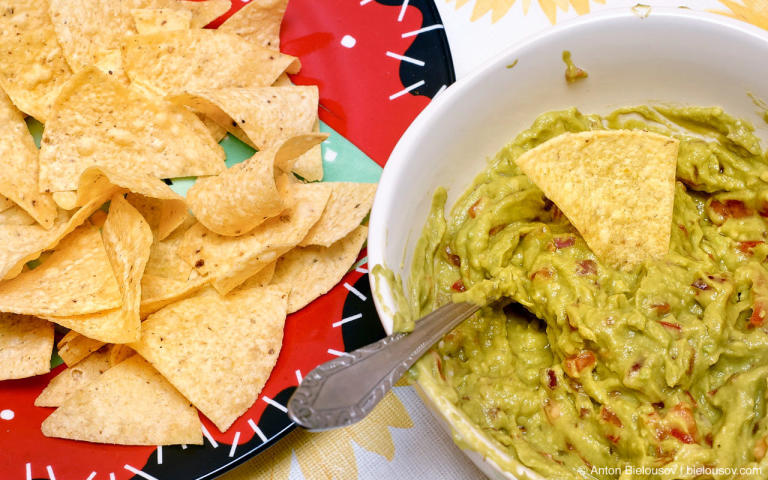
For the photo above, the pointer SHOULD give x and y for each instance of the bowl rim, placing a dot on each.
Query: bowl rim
(397, 164)
(430, 387)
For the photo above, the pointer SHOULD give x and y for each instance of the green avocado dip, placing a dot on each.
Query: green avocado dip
(660, 371)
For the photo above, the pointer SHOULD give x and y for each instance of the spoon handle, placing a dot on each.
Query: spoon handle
(342, 391)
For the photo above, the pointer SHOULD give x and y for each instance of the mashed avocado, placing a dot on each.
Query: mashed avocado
(664, 366)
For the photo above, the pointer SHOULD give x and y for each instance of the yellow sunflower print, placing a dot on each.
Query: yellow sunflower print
(329, 455)
(752, 11)
(499, 8)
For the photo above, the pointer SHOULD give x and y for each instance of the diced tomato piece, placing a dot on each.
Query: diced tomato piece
(746, 247)
(682, 436)
(682, 424)
(475, 208)
(543, 273)
(758, 314)
(453, 258)
(458, 286)
(563, 242)
(551, 378)
(607, 415)
(661, 308)
(587, 267)
(493, 231)
(708, 439)
(731, 209)
(671, 326)
(575, 364)
(613, 438)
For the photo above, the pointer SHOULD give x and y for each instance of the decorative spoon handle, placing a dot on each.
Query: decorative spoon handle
(342, 391)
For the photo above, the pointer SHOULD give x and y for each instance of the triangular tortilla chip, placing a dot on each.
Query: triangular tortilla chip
(74, 347)
(203, 13)
(172, 63)
(118, 353)
(5, 203)
(90, 30)
(217, 351)
(258, 22)
(72, 379)
(309, 165)
(217, 131)
(153, 20)
(18, 175)
(312, 271)
(157, 292)
(267, 115)
(127, 240)
(26, 344)
(32, 67)
(261, 279)
(96, 121)
(229, 261)
(76, 279)
(21, 243)
(346, 209)
(129, 404)
(16, 216)
(617, 187)
(246, 195)
(163, 215)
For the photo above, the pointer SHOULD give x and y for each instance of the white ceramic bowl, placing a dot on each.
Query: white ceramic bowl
(674, 55)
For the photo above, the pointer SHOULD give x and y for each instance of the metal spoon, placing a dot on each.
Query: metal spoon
(344, 390)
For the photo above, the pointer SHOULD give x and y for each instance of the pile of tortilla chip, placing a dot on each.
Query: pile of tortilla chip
(162, 305)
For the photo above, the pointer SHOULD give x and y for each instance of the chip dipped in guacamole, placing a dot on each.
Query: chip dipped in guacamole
(656, 368)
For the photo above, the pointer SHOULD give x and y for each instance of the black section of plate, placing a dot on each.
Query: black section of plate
(204, 462)
(364, 330)
(430, 47)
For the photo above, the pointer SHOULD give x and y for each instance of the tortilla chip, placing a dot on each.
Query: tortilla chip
(164, 260)
(21, 243)
(163, 215)
(76, 279)
(229, 261)
(32, 68)
(175, 62)
(242, 197)
(129, 404)
(258, 22)
(313, 271)
(217, 131)
(158, 292)
(26, 344)
(282, 81)
(96, 121)
(18, 177)
(118, 353)
(74, 347)
(5, 203)
(98, 218)
(89, 29)
(309, 165)
(16, 216)
(127, 240)
(203, 13)
(261, 279)
(153, 20)
(267, 115)
(346, 209)
(617, 187)
(72, 379)
(217, 351)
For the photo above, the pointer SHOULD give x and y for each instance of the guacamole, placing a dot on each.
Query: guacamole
(663, 367)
